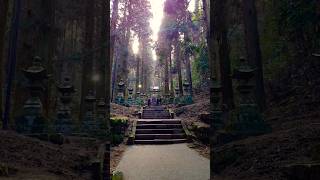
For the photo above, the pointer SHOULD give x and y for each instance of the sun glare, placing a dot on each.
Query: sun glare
(155, 23)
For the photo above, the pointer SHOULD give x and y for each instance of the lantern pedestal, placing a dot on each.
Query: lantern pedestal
(89, 123)
(63, 123)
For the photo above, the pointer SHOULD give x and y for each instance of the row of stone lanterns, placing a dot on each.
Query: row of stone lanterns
(131, 100)
(33, 121)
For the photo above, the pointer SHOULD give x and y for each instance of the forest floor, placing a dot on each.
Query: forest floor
(293, 113)
(30, 158)
(190, 114)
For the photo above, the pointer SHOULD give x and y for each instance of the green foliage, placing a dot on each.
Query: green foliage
(118, 126)
(117, 176)
(200, 65)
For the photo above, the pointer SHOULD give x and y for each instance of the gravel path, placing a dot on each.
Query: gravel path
(163, 162)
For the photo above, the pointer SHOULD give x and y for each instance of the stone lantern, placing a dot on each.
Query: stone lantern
(249, 120)
(139, 101)
(244, 75)
(130, 96)
(187, 98)
(121, 93)
(33, 120)
(186, 88)
(64, 117)
(177, 95)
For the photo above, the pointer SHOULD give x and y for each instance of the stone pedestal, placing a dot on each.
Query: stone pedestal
(63, 123)
(89, 123)
(216, 113)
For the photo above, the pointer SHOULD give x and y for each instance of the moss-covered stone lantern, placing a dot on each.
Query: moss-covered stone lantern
(32, 120)
(120, 93)
(249, 120)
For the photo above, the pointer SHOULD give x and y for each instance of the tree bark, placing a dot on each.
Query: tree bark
(4, 6)
(188, 65)
(170, 72)
(137, 74)
(103, 59)
(220, 10)
(178, 60)
(87, 63)
(253, 49)
(166, 74)
(114, 20)
(12, 57)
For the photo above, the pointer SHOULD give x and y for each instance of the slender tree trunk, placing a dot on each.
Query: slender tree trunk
(87, 63)
(188, 65)
(4, 6)
(114, 20)
(178, 60)
(253, 49)
(223, 48)
(166, 75)
(170, 72)
(137, 74)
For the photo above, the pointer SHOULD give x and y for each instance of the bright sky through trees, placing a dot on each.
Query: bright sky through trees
(157, 11)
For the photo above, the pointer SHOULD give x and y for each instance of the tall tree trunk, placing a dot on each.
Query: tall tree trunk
(4, 6)
(114, 20)
(220, 10)
(166, 75)
(188, 65)
(253, 49)
(12, 57)
(178, 60)
(103, 59)
(170, 72)
(87, 63)
(206, 16)
(137, 74)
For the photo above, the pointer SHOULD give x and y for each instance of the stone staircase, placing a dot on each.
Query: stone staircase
(157, 127)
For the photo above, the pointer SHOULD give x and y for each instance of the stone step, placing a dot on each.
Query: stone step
(160, 141)
(159, 131)
(155, 111)
(158, 126)
(159, 121)
(155, 117)
(159, 136)
(158, 110)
